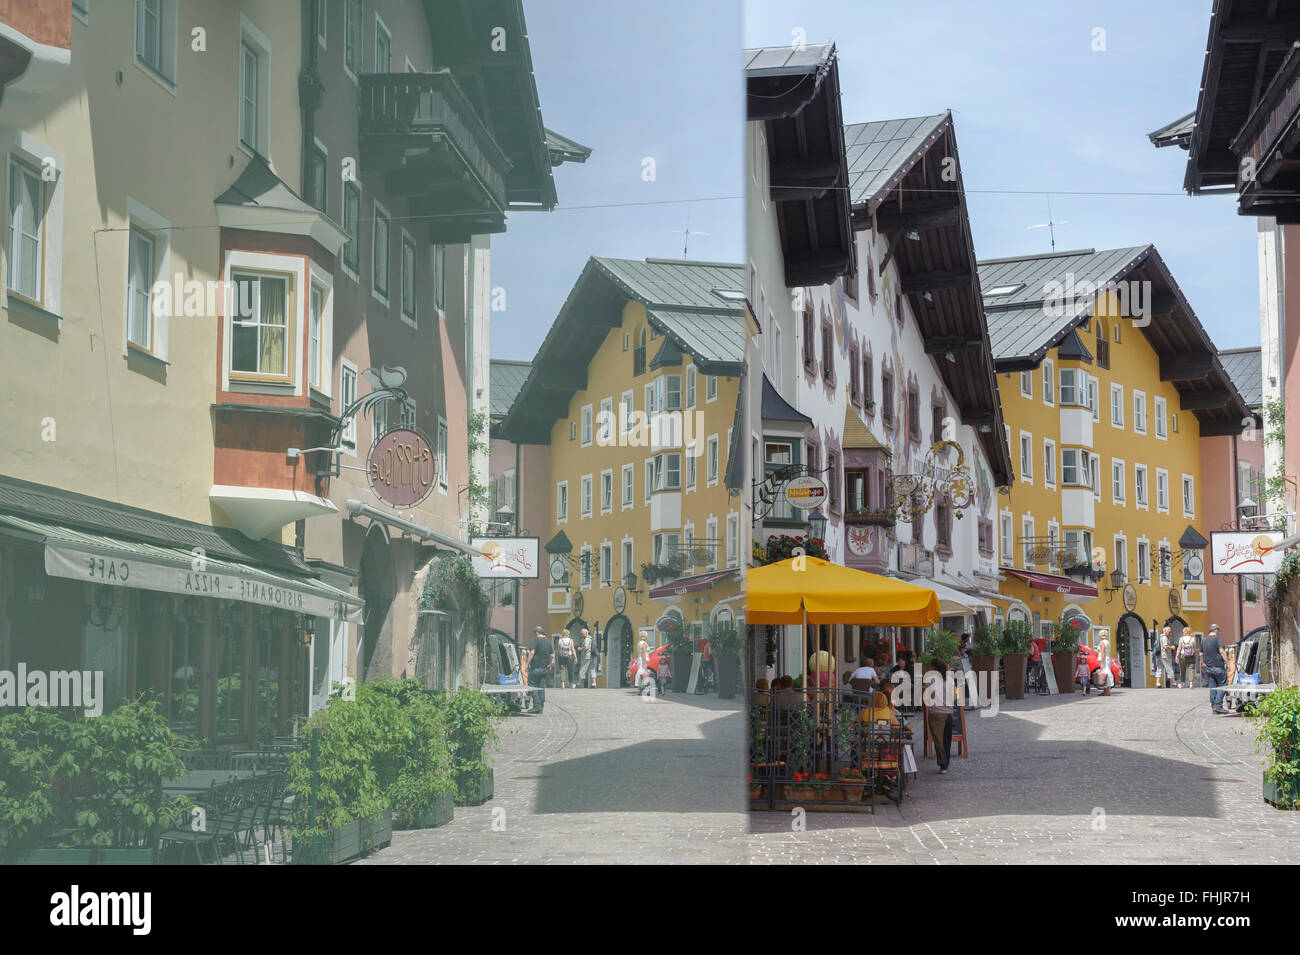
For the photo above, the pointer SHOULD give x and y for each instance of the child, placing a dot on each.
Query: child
(665, 673)
(1082, 673)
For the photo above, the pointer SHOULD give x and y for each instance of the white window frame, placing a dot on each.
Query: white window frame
(40, 160)
(1006, 534)
(710, 389)
(1049, 463)
(1162, 481)
(712, 461)
(1026, 457)
(1144, 561)
(585, 496)
(1120, 480)
(606, 570)
(691, 375)
(1141, 489)
(584, 568)
(1119, 546)
(1164, 569)
(588, 431)
(607, 491)
(351, 189)
(1139, 412)
(606, 420)
(259, 44)
(137, 297)
(1049, 382)
(1079, 457)
(348, 371)
(381, 27)
(1117, 405)
(627, 488)
(351, 35)
(1027, 383)
(626, 407)
(649, 478)
(406, 240)
(16, 229)
(444, 454)
(164, 71)
(322, 29)
(1160, 412)
(1027, 548)
(294, 269)
(733, 539)
(690, 465)
(711, 535)
(381, 214)
(561, 502)
(1189, 493)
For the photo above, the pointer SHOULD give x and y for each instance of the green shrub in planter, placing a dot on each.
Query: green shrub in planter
(940, 644)
(1016, 637)
(1277, 719)
(986, 642)
(97, 781)
(471, 718)
(419, 777)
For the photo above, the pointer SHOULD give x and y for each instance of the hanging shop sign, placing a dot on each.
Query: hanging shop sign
(403, 467)
(1078, 623)
(1244, 552)
(511, 558)
(805, 492)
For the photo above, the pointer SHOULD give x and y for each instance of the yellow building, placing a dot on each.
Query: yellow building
(1108, 382)
(636, 389)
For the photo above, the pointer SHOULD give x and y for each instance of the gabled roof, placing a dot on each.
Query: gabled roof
(1245, 367)
(856, 434)
(562, 149)
(881, 153)
(559, 544)
(1177, 133)
(681, 300)
(505, 378)
(1047, 301)
(776, 408)
(1192, 539)
(1073, 348)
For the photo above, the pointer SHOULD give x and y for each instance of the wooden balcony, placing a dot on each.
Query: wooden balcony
(427, 138)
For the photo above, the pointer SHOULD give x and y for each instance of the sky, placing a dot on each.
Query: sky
(633, 81)
(1037, 111)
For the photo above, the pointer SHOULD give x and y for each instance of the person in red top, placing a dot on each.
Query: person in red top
(707, 676)
(1035, 658)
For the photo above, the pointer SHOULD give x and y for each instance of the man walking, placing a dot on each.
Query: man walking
(587, 661)
(1214, 667)
(539, 668)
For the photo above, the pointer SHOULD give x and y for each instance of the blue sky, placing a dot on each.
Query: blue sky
(630, 80)
(1036, 110)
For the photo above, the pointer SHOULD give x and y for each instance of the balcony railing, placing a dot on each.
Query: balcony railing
(404, 114)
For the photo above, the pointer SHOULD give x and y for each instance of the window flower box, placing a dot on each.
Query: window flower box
(878, 517)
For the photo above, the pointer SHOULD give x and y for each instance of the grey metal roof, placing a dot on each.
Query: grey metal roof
(880, 152)
(1020, 326)
(98, 516)
(786, 60)
(1177, 133)
(1192, 539)
(710, 338)
(1245, 367)
(678, 285)
(505, 378)
(776, 408)
(260, 188)
(563, 149)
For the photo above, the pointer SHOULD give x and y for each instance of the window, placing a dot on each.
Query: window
(348, 395)
(607, 492)
(139, 290)
(606, 421)
(351, 226)
(649, 478)
(1049, 462)
(1074, 387)
(1004, 531)
(711, 388)
(672, 385)
(352, 19)
(1189, 496)
(1103, 346)
(711, 462)
(26, 232)
(1159, 415)
(1162, 491)
(690, 387)
(1117, 406)
(887, 398)
(733, 540)
(1119, 556)
(639, 356)
(936, 423)
(629, 485)
(1026, 457)
(711, 531)
(561, 502)
(691, 455)
(943, 526)
(585, 501)
(628, 565)
(439, 253)
(573, 431)
(1140, 485)
(1027, 384)
(809, 350)
(408, 278)
(668, 471)
(442, 455)
(317, 191)
(1144, 562)
(584, 567)
(606, 565)
(1049, 382)
(1027, 537)
(320, 21)
(1118, 485)
(155, 37)
(383, 48)
(1074, 468)
(1140, 412)
(260, 339)
(248, 96)
(651, 400)
(1091, 400)
(1166, 566)
(314, 336)
(868, 384)
(913, 413)
(586, 425)
(406, 414)
(626, 405)
(853, 374)
(1173, 422)
(379, 254)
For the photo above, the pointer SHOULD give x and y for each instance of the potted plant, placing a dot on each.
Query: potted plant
(472, 717)
(420, 786)
(680, 648)
(877, 516)
(1251, 597)
(1065, 647)
(755, 790)
(870, 406)
(940, 644)
(853, 784)
(802, 789)
(985, 649)
(781, 547)
(1277, 719)
(726, 643)
(887, 419)
(1017, 637)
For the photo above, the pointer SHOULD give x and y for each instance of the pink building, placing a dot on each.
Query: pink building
(1232, 470)
(519, 476)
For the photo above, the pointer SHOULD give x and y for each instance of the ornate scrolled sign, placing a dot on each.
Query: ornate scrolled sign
(914, 494)
(403, 468)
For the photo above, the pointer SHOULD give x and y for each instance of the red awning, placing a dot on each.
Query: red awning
(690, 585)
(1057, 585)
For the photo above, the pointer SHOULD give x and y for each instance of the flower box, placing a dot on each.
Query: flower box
(333, 847)
(877, 518)
(800, 794)
(486, 788)
(1284, 795)
(756, 792)
(438, 814)
(377, 832)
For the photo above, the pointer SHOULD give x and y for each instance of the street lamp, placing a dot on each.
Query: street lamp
(817, 524)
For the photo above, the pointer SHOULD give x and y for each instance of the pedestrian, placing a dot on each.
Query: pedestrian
(1214, 667)
(539, 667)
(568, 656)
(939, 714)
(708, 672)
(1186, 659)
(1107, 677)
(821, 667)
(1167, 656)
(587, 658)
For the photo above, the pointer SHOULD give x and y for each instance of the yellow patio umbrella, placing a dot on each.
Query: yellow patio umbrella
(811, 590)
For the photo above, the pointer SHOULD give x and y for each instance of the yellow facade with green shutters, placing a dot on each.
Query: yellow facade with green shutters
(667, 503)
(1073, 424)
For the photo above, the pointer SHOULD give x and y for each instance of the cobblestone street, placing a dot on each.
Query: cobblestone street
(1144, 776)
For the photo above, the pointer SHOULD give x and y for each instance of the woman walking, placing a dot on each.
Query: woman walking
(567, 656)
(1107, 677)
(1186, 660)
(939, 715)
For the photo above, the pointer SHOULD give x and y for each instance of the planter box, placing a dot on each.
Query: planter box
(77, 856)
(725, 667)
(377, 832)
(851, 791)
(1282, 796)
(874, 520)
(486, 788)
(1063, 667)
(333, 848)
(800, 794)
(1015, 668)
(681, 664)
(986, 666)
(756, 793)
(439, 814)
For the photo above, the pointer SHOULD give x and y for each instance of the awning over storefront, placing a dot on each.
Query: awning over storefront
(1052, 582)
(79, 555)
(811, 590)
(690, 585)
(954, 603)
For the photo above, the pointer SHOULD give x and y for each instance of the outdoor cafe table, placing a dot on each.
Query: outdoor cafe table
(201, 780)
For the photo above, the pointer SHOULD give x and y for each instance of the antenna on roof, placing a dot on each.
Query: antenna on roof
(688, 232)
(1051, 224)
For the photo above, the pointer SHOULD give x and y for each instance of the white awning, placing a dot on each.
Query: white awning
(954, 603)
